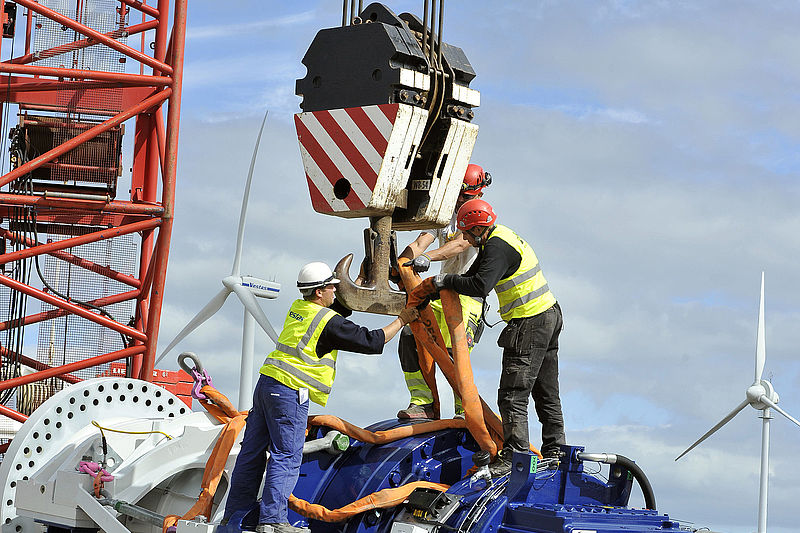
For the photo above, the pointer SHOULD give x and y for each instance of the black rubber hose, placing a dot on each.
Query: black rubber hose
(644, 483)
(633, 468)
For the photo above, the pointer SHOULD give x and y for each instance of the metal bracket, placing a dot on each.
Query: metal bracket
(102, 516)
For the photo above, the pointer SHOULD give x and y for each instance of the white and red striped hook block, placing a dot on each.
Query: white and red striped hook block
(358, 160)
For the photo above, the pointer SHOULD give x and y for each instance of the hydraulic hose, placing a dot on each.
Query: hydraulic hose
(134, 511)
(628, 464)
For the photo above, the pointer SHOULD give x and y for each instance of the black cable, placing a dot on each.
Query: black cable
(6, 108)
(630, 466)
(14, 362)
(475, 513)
(35, 232)
(21, 272)
(70, 299)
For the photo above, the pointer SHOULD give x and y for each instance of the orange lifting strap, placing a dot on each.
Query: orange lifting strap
(484, 425)
(377, 500)
(223, 410)
(383, 437)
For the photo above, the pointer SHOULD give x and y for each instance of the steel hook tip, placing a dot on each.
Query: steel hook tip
(379, 298)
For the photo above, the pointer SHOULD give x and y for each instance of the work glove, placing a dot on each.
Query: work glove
(420, 263)
(409, 314)
(439, 281)
(421, 294)
(429, 289)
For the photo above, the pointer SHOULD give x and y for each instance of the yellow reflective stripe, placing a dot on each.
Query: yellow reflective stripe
(420, 393)
(518, 280)
(421, 398)
(313, 327)
(300, 354)
(416, 384)
(544, 289)
(298, 351)
(299, 374)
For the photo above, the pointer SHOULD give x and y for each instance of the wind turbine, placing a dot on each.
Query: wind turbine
(246, 289)
(760, 395)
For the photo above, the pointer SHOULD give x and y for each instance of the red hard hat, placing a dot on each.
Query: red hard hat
(475, 212)
(475, 179)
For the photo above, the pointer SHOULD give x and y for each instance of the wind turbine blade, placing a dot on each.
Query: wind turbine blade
(713, 430)
(772, 404)
(237, 258)
(205, 313)
(250, 303)
(761, 344)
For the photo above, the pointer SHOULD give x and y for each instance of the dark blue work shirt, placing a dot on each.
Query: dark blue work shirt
(342, 334)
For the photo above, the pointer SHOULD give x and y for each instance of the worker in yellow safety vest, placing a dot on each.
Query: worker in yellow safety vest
(300, 369)
(456, 256)
(507, 264)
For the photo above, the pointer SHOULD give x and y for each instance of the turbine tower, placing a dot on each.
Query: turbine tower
(246, 289)
(761, 396)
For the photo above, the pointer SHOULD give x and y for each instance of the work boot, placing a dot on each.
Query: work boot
(417, 411)
(501, 465)
(283, 527)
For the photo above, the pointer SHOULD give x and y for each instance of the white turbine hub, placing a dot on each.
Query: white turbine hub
(756, 391)
(50, 429)
(230, 281)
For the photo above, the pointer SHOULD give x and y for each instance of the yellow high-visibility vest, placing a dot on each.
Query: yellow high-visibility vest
(471, 310)
(294, 362)
(524, 293)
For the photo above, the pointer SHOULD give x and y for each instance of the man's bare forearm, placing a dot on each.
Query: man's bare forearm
(450, 249)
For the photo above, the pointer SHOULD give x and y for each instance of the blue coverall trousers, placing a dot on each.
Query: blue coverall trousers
(276, 423)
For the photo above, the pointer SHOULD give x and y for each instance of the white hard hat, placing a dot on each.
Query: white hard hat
(314, 275)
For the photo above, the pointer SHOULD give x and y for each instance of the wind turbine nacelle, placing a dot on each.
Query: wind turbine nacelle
(261, 288)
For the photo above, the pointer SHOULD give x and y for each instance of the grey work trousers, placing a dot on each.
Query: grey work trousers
(530, 368)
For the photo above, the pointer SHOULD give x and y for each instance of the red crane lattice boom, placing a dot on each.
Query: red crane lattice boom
(73, 110)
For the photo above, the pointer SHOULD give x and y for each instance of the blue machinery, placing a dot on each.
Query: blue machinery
(155, 476)
(564, 500)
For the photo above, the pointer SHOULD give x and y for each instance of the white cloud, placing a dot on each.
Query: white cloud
(216, 31)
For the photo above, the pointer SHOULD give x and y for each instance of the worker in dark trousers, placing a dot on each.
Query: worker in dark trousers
(301, 368)
(507, 264)
(456, 256)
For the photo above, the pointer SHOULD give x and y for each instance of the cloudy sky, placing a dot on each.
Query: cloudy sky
(648, 150)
